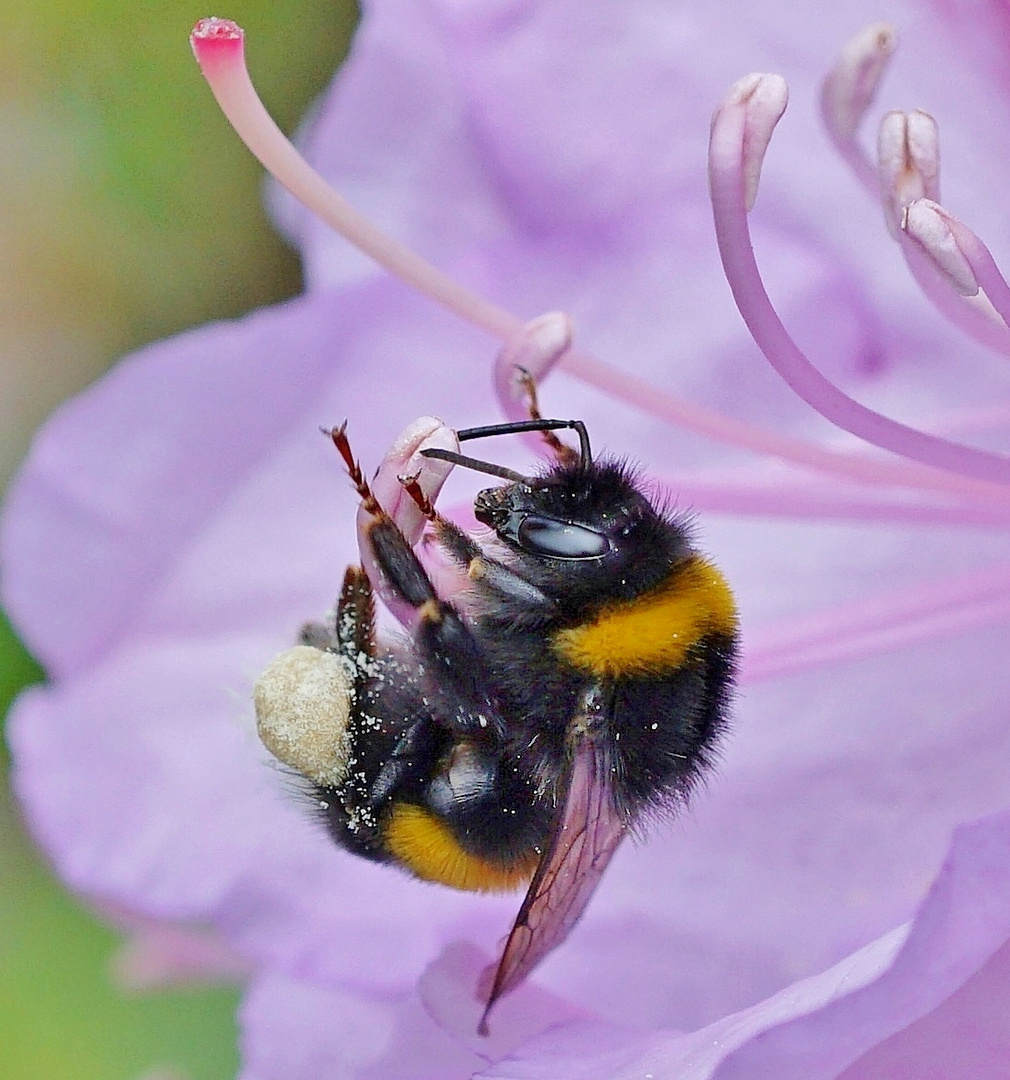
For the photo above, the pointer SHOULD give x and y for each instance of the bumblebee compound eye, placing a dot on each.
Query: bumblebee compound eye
(554, 539)
(303, 702)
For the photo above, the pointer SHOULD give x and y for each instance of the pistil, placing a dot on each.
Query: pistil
(219, 47)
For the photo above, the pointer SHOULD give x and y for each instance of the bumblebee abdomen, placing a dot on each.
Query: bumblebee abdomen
(652, 634)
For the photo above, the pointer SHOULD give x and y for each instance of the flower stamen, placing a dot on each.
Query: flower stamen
(957, 253)
(760, 100)
(850, 88)
(926, 224)
(870, 626)
(908, 162)
(808, 500)
(846, 95)
(731, 139)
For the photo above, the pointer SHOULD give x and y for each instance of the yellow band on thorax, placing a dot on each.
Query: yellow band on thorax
(651, 635)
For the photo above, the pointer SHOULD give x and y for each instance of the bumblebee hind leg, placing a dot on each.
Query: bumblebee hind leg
(355, 620)
(350, 631)
(388, 729)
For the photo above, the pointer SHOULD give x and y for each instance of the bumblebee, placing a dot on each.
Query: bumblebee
(518, 739)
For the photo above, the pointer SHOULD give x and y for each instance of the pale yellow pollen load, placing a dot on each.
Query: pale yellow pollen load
(652, 634)
(303, 702)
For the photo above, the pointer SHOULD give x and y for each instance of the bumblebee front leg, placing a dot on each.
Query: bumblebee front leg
(488, 574)
(444, 643)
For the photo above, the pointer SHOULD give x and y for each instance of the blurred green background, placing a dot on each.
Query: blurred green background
(128, 211)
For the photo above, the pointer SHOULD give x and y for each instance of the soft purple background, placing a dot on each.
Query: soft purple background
(174, 526)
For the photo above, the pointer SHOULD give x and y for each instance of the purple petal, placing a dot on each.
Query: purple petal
(128, 478)
(453, 993)
(293, 1030)
(963, 925)
(900, 1000)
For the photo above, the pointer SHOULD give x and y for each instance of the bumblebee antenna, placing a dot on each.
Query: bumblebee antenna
(511, 428)
(477, 465)
(537, 424)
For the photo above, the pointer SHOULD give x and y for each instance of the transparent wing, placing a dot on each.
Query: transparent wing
(585, 836)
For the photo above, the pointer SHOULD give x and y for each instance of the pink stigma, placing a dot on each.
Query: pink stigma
(210, 33)
(215, 41)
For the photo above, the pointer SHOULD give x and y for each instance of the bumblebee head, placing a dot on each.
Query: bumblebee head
(585, 529)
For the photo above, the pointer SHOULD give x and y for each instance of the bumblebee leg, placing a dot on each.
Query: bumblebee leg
(339, 437)
(350, 630)
(355, 621)
(468, 554)
(565, 454)
(487, 573)
(440, 634)
(319, 635)
(421, 501)
(444, 642)
(391, 741)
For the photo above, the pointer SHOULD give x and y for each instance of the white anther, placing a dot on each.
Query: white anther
(762, 98)
(930, 226)
(849, 89)
(908, 158)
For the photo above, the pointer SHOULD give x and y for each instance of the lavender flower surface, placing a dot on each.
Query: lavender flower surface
(838, 902)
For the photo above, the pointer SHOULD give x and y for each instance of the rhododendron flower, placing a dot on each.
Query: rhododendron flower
(837, 903)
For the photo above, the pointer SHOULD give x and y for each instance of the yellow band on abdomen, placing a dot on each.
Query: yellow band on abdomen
(426, 847)
(652, 634)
